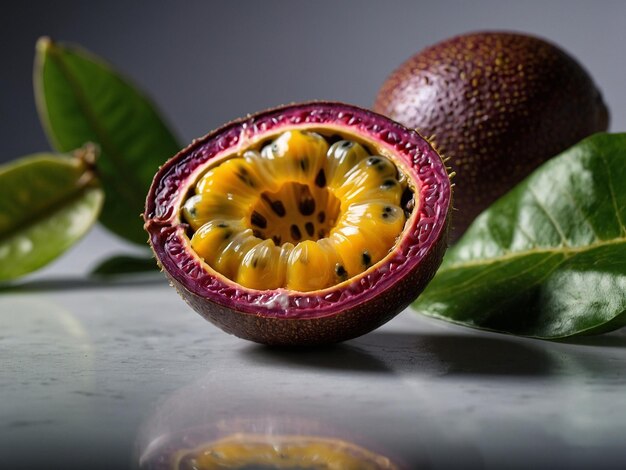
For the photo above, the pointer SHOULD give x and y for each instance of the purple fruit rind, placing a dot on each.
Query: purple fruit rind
(498, 104)
(189, 273)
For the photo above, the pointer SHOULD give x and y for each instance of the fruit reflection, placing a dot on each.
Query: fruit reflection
(262, 443)
(246, 451)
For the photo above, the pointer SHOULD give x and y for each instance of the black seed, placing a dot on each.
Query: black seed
(193, 211)
(366, 259)
(243, 175)
(388, 184)
(228, 234)
(304, 164)
(222, 225)
(321, 234)
(310, 228)
(347, 144)
(306, 204)
(340, 271)
(387, 212)
(320, 179)
(255, 262)
(374, 161)
(258, 220)
(274, 148)
(277, 206)
(321, 217)
(277, 240)
(257, 233)
(295, 232)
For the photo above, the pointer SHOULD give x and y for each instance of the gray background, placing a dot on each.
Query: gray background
(89, 366)
(207, 62)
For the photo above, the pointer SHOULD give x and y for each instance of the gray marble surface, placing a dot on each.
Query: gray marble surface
(104, 374)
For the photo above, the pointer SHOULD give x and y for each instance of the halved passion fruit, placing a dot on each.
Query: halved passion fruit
(306, 224)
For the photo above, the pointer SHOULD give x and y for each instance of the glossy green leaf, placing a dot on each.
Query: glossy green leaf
(80, 98)
(125, 264)
(547, 260)
(47, 202)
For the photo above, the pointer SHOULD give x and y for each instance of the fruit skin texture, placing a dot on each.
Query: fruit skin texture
(498, 105)
(282, 317)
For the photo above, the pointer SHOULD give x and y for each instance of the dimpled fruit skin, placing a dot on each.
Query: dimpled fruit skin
(498, 105)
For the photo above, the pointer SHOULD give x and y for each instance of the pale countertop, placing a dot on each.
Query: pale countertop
(96, 375)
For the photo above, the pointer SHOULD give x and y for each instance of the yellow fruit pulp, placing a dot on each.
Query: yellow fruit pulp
(280, 452)
(298, 214)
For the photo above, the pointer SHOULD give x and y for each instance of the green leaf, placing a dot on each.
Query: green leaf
(47, 203)
(124, 264)
(547, 260)
(80, 98)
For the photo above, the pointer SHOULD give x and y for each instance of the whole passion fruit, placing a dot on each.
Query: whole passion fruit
(498, 105)
(306, 224)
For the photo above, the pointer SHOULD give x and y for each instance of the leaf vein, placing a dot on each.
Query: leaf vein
(132, 188)
(580, 210)
(550, 217)
(612, 192)
(568, 251)
(497, 305)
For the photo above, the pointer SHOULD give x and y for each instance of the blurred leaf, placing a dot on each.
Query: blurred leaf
(80, 98)
(47, 203)
(548, 259)
(123, 264)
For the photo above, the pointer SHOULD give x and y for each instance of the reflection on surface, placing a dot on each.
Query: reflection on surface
(243, 450)
(46, 378)
(57, 284)
(419, 398)
(41, 323)
(271, 418)
(407, 396)
(614, 339)
(260, 443)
